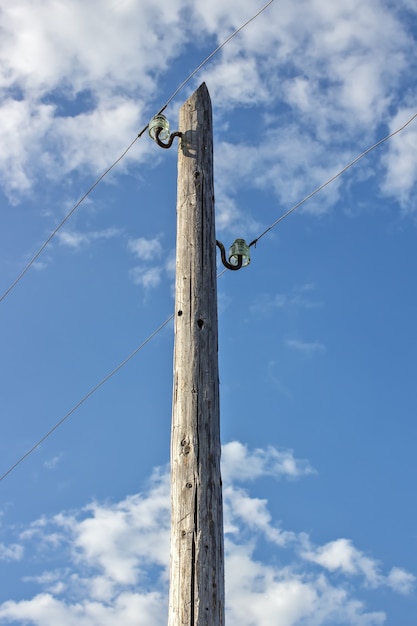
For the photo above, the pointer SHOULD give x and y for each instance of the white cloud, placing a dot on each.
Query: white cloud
(347, 58)
(11, 552)
(44, 44)
(221, 19)
(116, 563)
(52, 462)
(69, 105)
(22, 128)
(341, 555)
(74, 239)
(92, 140)
(333, 75)
(149, 250)
(242, 77)
(40, 265)
(308, 348)
(401, 581)
(337, 73)
(241, 464)
(119, 539)
(400, 161)
(232, 218)
(241, 508)
(130, 609)
(147, 278)
(170, 265)
(300, 297)
(263, 595)
(50, 581)
(145, 249)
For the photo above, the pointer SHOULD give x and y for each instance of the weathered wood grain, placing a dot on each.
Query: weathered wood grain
(197, 557)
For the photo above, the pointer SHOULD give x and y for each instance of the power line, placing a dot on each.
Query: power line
(207, 59)
(87, 395)
(254, 242)
(342, 171)
(156, 331)
(94, 185)
(68, 215)
(90, 393)
(33, 259)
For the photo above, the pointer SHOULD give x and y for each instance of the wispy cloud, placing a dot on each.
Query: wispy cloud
(146, 277)
(52, 462)
(401, 581)
(307, 348)
(75, 239)
(145, 249)
(298, 298)
(149, 250)
(39, 265)
(11, 552)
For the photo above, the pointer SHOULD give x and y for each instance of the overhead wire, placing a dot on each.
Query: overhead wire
(84, 398)
(108, 170)
(333, 178)
(67, 216)
(207, 59)
(91, 392)
(166, 322)
(224, 270)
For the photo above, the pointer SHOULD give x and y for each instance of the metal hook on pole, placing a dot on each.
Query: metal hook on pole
(170, 140)
(224, 260)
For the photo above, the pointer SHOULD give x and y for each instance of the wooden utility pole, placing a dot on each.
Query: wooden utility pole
(196, 596)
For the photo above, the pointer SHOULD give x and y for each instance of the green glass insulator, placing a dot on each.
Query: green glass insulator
(239, 247)
(159, 121)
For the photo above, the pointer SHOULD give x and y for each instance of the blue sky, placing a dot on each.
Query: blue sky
(317, 340)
